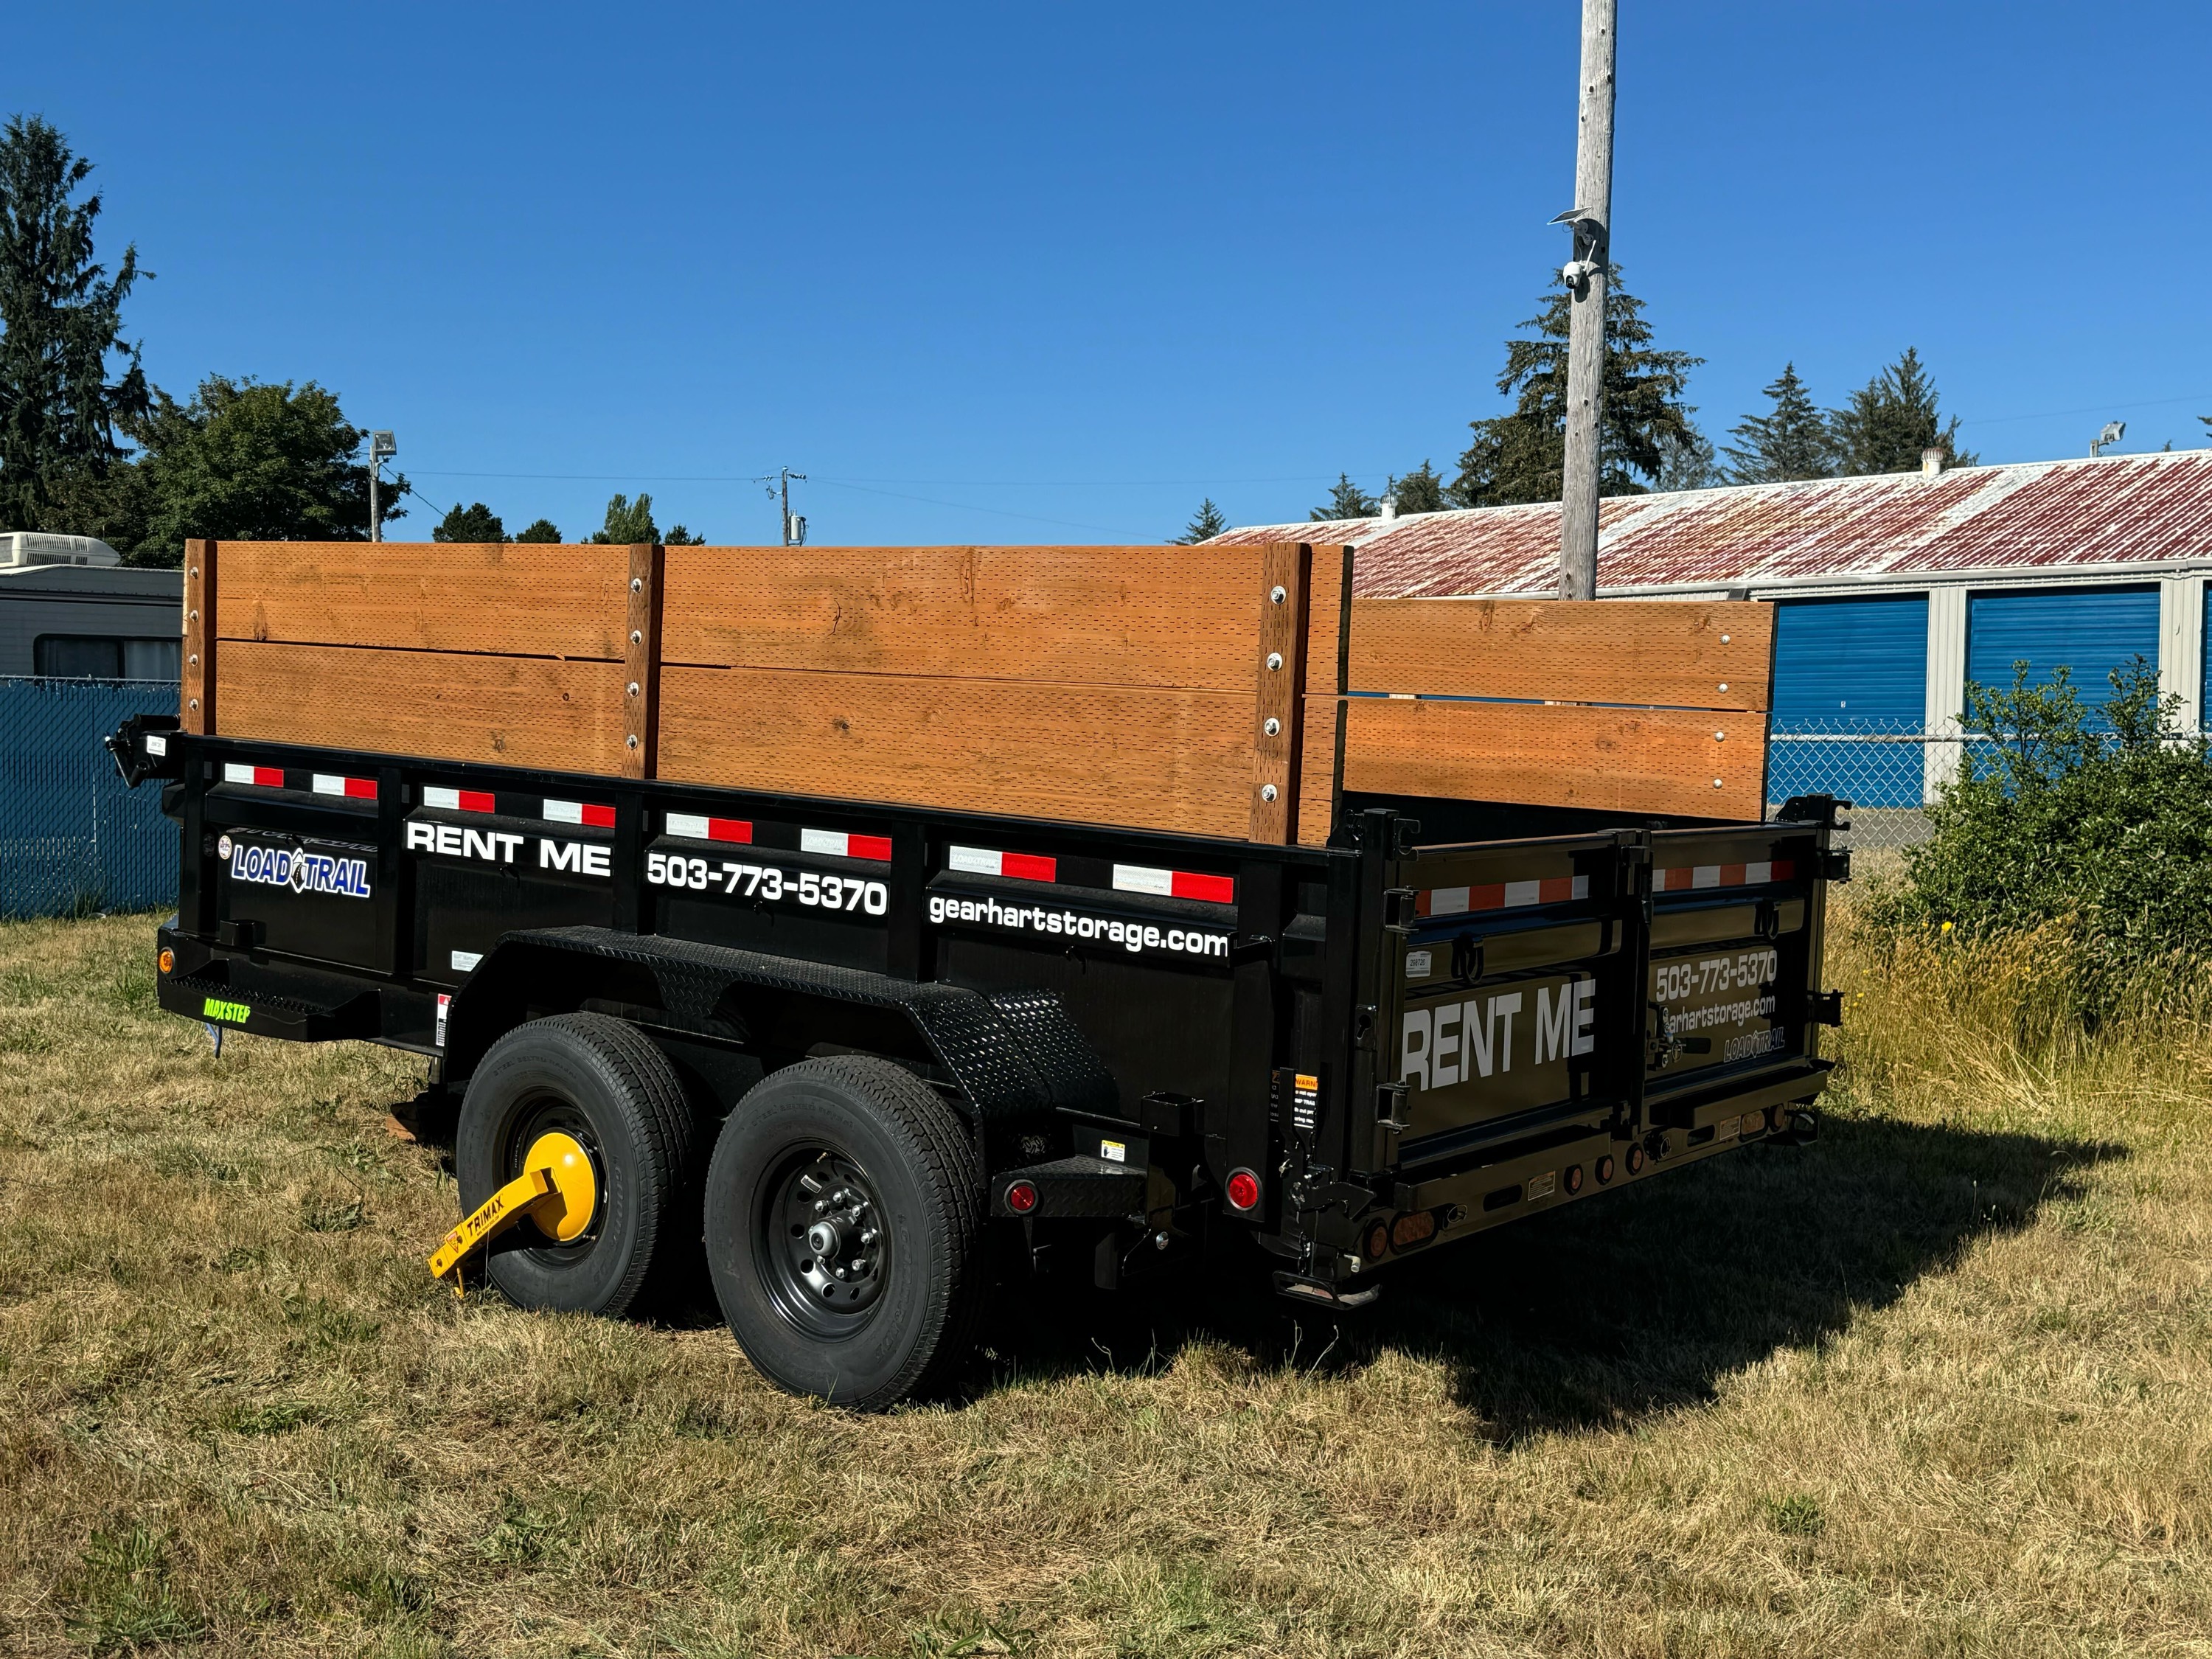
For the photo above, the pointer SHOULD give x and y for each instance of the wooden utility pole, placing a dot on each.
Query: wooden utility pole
(1591, 219)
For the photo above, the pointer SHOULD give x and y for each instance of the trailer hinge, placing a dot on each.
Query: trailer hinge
(1824, 1007)
(1835, 864)
(1389, 1107)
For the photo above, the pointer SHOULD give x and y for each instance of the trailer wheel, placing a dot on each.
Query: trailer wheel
(604, 1084)
(844, 1232)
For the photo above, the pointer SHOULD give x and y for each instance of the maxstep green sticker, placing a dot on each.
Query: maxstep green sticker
(236, 1012)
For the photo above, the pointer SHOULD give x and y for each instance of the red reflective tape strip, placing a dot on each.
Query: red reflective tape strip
(737, 829)
(601, 816)
(1489, 897)
(1553, 890)
(1782, 870)
(1731, 875)
(1215, 889)
(1029, 866)
(271, 777)
(878, 848)
(477, 800)
(361, 788)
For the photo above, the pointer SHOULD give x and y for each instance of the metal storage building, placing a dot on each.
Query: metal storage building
(1894, 590)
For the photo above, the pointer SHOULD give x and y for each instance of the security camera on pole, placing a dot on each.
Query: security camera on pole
(381, 448)
(1590, 219)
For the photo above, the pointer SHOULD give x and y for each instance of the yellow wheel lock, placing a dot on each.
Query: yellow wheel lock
(556, 1191)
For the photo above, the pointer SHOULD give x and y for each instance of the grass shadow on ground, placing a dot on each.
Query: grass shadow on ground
(1601, 1313)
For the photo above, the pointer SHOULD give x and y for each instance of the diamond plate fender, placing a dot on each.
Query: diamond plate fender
(1013, 1056)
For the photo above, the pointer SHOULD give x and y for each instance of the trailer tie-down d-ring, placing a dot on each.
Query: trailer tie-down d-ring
(556, 1191)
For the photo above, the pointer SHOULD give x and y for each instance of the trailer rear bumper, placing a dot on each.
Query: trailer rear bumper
(1578, 1162)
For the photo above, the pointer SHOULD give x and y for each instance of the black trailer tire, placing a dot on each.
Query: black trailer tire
(904, 1318)
(606, 1083)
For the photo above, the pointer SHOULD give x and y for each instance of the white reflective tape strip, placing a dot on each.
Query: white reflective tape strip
(329, 784)
(1137, 879)
(156, 744)
(438, 795)
(1581, 889)
(466, 961)
(688, 824)
(1756, 874)
(1705, 875)
(835, 842)
(565, 812)
(978, 861)
(1448, 901)
(234, 773)
(1523, 892)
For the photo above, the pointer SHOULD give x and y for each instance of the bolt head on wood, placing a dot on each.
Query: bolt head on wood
(1267, 791)
(1723, 685)
(633, 688)
(1277, 594)
(637, 584)
(1274, 660)
(633, 743)
(636, 638)
(1273, 728)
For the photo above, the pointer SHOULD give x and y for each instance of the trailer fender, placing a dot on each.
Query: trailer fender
(1014, 1056)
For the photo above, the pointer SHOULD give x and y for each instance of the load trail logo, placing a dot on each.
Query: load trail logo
(299, 870)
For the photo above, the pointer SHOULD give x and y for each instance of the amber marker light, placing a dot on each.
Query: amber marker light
(166, 961)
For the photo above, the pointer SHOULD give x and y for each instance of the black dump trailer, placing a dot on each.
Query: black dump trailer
(846, 1044)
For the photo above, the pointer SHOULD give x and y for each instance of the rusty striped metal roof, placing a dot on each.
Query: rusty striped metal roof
(2048, 517)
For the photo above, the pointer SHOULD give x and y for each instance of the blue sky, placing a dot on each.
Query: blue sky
(1052, 273)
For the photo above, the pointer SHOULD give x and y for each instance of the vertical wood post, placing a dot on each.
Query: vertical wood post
(641, 661)
(1592, 257)
(195, 698)
(1285, 573)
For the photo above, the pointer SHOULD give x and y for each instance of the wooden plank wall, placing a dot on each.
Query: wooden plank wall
(1113, 685)
(512, 654)
(1195, 689)
(1633, 706)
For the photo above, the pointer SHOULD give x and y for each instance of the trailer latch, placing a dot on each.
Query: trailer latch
(1299, 1288)
(1835, 864)
(1825, 1007)
(558, 1190)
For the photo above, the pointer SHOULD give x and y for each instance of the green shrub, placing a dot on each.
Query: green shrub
(2096, 830)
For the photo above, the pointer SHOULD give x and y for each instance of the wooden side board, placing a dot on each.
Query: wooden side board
(513, 711)
(527, 599)
(1159, 758)
(1661, 654)
(1080, 616)
(1669, 762)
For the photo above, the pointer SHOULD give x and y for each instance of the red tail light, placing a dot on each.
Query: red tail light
(1021, 1197)
(1243, 1190)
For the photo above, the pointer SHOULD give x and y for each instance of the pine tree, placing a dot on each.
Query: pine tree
(1205, 524)
(1891, 419)
(474, 523)
(1521, 457)
(60, 319)
(1687, 463)
(1346, 499)
(1420, 490)
(1791, 440)
(539, 530)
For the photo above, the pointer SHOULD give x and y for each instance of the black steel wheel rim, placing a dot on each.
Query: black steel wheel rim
(823, 1246)
(548, 1114)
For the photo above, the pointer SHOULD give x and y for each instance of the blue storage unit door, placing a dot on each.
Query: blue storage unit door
(1847, 674)
(2090, 630)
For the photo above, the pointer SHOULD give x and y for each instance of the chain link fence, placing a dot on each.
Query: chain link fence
(1887, 769)
(74, 840)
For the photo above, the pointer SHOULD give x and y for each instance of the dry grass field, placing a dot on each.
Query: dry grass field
(1939, 1385)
